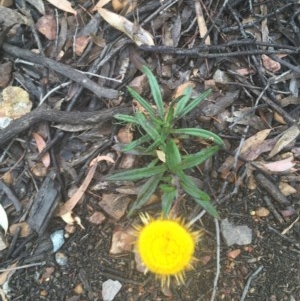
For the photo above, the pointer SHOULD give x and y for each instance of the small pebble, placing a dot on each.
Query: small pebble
(61, 258)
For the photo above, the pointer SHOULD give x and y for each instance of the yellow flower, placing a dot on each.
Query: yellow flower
(166, 247)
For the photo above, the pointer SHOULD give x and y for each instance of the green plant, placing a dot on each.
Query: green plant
(158, 134)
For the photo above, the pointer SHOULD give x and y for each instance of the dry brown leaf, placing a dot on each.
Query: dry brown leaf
(180, 89)
(231, 255)
(46, 25)
(100, 4)
(72, 219)
(41, 144)
(115, 204)
(280, 166)
(4, 276)
(135, 32)
(97, 218)
(24, 229)
(71, 203)
(81, 43)
(270, 64)
(250, 150)
(201, 22)
(122, 240)
(63, 5)
(287, 137)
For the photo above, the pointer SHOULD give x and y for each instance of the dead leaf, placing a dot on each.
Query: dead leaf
(180, 89)
(24, 229)
(46, 25)
(231, 255)
(250, 150)
(71, 203)
(63, 5)
(100, 4)
(81, 43)
(41, 144)
(280, 166)
(270, 64)
(4, 276)
(97, 218)
(133, 31)
(201, 22)
(287, 137)
(115, 204)
(72, 219)
(38, 4)
(122, 240)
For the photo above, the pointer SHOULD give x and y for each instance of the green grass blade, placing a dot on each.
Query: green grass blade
(147, 126)
(182, 101)
(136, 143)
(126, 118)
(199, 196)
(194, 103)
(136, 174)
(204, 134)
(173, 157)
(144, 103)
(155, 91)
(168, 197)
(192, 160)
(145, 193)
(208, 207)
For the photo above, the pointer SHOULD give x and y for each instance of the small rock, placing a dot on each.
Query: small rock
(110, 289)
(61, 258)
(235, 234)
(58, 240)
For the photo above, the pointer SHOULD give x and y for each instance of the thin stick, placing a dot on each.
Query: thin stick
(23, 266)
(246, 288)
(217, 275)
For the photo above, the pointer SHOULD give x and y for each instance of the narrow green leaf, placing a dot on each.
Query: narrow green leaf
(173, 157)
(194, 103)
(136, 143)
(147, 126)
(145, 193)
(182, 101)
(191, 188)
(155, 91)
(192, 160)
(144, 103)
(199, 196)
(136, 174)
(126, 118)
(168, 197)
(208, 207)
(204, 134)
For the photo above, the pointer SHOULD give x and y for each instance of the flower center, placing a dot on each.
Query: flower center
(166, 247)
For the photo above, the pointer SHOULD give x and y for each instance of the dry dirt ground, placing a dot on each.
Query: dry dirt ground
(247, 52)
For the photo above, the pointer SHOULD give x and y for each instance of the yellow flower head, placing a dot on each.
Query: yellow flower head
(166, 247)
